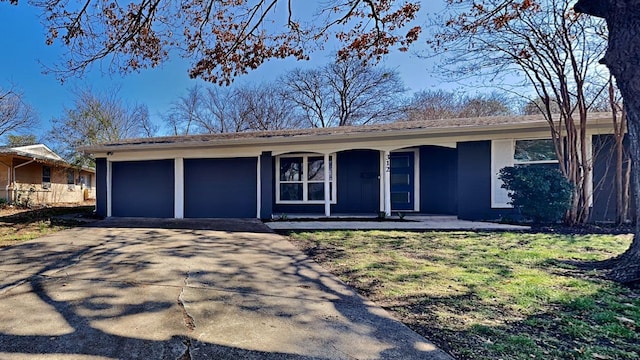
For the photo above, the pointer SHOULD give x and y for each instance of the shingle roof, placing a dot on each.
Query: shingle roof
(28, 154)
(38, 152)
(462, 124)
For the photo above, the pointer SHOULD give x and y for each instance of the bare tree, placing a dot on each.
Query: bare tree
(220, 104)
(221, 109)
(306, 89)
(97, 118)
(185, 112)
(345, 93)
(15, 114)
(492, 104)
(554, 50)
(264, 107)
(440, 104)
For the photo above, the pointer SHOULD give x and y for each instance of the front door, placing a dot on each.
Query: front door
(402, 181)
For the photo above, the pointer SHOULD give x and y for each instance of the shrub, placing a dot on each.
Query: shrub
(541, 193)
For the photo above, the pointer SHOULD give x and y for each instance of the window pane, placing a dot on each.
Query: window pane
(316, 191)
(291, 169)
(399, 162)
(400, 197)
(400, 179)
(70, 177)
(316, 168)
(534, 150)
(291, 192)
(46, 174)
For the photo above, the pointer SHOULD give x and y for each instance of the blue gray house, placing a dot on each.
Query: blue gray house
(428, 167)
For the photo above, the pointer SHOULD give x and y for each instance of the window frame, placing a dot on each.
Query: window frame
(71, 179)
(532, 162)
(305, 179)
(503, 153)
(46, 184)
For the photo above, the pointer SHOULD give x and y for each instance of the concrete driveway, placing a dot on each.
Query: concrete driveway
(165, 289)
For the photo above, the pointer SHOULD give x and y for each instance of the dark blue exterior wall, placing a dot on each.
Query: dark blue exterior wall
(438, 180)
(143, 188)
(604, 186)
(358, 186)
(474, 183)
(604, 183)
(101, 187)
(266, 185)
(220, 188)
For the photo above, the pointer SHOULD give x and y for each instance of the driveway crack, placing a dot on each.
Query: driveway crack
(188, 320)
(186, 355)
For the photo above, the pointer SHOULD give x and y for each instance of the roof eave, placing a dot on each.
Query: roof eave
(307, 138)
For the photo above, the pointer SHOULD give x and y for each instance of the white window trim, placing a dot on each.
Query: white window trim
(305, 161)
(500, 160)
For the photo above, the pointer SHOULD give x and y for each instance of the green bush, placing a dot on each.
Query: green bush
(540, 192)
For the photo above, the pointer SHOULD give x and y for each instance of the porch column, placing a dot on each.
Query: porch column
(327, 184)
(387, 183)
(178, 199)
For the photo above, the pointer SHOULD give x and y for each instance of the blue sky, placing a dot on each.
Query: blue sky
(24, 52)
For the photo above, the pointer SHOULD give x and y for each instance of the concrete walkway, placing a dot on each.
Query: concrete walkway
(409, 223)
(189, 289)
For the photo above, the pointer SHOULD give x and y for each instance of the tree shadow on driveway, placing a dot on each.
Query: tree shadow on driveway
(189, 292)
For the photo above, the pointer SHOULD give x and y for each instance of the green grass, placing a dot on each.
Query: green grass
(491, 295)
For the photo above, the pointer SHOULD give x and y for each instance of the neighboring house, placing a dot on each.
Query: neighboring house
(430, 167)
(38, 174)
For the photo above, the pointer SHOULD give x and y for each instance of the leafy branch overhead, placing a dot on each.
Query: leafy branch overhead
(223, 38)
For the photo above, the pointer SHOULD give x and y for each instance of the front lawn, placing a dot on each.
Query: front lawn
(491, 295)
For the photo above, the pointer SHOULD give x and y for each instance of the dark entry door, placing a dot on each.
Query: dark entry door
(402, 181)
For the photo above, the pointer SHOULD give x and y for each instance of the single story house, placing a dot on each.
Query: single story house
(429, 167)
(37, 175)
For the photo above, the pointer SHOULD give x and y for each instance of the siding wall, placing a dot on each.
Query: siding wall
(5, 168)
(438, 180)
(101, 187)
(604, 186)
(474, 183)
(267, 164)
(29, 185)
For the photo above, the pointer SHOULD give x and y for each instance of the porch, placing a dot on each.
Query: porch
(372, 222)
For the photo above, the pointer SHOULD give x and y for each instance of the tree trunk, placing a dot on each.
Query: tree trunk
(623, 166)
(623, 21)
(628, 268)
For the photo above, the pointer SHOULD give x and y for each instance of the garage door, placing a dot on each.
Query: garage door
(143, 188)
(215, 188)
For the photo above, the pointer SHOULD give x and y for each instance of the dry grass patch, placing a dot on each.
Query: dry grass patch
(18, 225)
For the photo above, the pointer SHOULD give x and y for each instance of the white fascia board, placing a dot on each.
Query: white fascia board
(182, 153)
